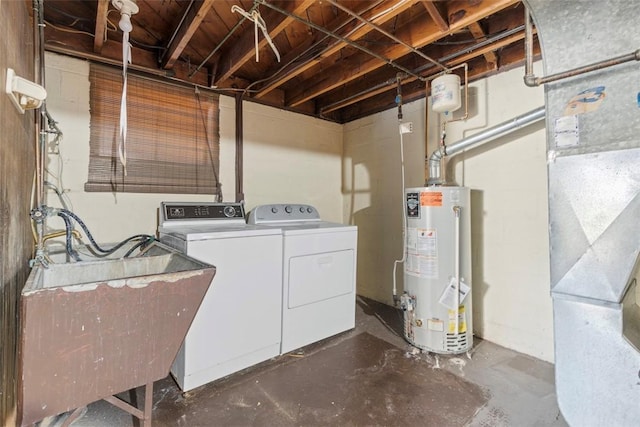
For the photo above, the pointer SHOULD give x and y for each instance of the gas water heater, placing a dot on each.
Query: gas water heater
(437, 271)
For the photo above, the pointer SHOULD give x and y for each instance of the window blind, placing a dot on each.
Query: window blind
(172, 136)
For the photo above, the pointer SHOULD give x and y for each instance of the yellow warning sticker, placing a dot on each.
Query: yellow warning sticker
(462, 324)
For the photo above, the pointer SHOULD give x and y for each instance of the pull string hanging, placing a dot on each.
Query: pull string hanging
(122, 140)
(126, 8)
(255, 17)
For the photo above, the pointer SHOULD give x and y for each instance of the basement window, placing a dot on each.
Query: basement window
(173, 136)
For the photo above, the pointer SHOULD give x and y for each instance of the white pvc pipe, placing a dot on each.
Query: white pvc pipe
(456, 211)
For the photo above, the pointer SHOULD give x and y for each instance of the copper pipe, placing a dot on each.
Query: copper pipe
(61, 233)
(426, 132)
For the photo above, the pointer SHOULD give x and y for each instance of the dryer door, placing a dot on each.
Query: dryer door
(317, 277)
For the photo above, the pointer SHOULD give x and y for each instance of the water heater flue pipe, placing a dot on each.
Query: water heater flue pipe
(436, 175)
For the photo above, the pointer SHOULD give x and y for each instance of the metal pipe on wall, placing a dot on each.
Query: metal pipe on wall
(532, 81)
(239, 149)
(436, 177)
(40, 136)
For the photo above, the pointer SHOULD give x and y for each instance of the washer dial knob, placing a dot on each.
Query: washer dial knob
(229, 211)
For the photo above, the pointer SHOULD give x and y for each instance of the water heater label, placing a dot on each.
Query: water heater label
(413, 205)
(431, 198)
(462, 322)
(448, 297)
(427, 244)
(423, 267)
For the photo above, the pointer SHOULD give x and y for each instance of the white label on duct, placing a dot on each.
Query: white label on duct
(566, 132)
(448, 296)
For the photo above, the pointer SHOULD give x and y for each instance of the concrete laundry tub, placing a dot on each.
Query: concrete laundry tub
(93, 329)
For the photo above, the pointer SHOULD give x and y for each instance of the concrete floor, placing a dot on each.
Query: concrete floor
(364, 377)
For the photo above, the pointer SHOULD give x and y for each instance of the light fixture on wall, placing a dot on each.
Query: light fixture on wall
(25, 95)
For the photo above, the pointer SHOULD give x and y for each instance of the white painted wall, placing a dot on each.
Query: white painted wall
(292, 158)
(288, 157)
(512, 304)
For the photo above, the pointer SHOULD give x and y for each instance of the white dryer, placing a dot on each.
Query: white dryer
(318, 272)
(239, 322)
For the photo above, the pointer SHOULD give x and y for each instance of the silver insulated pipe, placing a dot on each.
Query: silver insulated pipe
(436, 177)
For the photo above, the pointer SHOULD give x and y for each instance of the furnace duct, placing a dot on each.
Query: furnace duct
(594, 205)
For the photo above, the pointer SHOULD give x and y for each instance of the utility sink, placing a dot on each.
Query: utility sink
(93, 329)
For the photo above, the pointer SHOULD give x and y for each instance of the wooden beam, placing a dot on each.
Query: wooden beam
(143, 60)
(416, 35)
(478, 33)
(378, 15)
(244, 49)
(101, 25)
(511, 56)
(489, 48)
(436, 14)
(189, 26)
(358, 87)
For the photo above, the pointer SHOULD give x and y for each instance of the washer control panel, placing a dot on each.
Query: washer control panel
(181, 213)
(283, 213)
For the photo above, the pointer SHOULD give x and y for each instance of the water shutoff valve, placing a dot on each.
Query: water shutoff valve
(407, 302)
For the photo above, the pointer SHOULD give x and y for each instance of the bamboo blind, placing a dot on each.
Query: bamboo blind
(172, 137)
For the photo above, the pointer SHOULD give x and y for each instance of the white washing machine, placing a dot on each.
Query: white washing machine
(239, 322)
(318, 272)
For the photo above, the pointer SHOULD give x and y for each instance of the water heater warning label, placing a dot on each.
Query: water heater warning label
(413, 205)
(431, 198)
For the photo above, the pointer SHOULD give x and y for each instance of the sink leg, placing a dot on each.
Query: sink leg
(143, 415)
(77, 413)
(148, 403)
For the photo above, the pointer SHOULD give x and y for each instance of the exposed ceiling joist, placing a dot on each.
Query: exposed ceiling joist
(378, 15)
(339, 59)
(417, 35)
(436, 15)
(479, 34)
(197, 12)
(244, 50)
(101, 25)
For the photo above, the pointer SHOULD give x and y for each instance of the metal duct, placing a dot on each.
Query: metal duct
(594, 206)
(436, 177)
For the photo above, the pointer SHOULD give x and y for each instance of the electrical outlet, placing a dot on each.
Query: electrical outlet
(406, 127)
